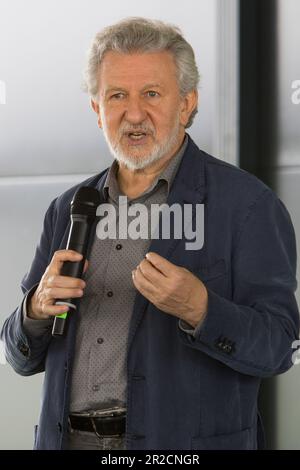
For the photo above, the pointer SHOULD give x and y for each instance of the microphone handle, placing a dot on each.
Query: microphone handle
(78, 241)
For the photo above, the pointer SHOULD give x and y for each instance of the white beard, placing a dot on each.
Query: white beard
(133, 162)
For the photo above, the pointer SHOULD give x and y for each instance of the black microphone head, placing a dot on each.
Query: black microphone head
(85, 201)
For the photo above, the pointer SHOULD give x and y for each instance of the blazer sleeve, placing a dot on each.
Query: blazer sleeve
(24, 352)
(253, 332)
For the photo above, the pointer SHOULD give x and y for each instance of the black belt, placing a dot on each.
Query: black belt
(102, 426)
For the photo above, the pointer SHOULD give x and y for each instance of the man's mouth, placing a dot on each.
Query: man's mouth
(136, 135)
(137, 138)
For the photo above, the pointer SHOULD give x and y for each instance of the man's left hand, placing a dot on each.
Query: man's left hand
(173, 289)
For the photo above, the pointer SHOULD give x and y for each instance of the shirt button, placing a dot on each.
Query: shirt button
(96, 388)
(118, 246)
(100, 340)
(110, 293)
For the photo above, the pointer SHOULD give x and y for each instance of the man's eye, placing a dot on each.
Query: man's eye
(152, 94)
(118, 96)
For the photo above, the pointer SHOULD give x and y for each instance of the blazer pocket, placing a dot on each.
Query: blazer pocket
(241, 440)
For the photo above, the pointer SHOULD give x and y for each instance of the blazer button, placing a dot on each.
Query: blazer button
(24, 349)
(225, 345)
(227, 348)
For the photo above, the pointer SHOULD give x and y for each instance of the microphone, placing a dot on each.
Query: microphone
(83, 215)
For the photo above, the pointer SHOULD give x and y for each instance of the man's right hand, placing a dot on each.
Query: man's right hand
(54, 286)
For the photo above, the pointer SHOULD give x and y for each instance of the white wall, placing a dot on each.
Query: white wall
(49, 137)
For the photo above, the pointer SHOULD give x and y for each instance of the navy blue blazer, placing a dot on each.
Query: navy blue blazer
(186, 392)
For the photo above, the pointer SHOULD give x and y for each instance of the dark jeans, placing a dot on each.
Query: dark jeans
(82, 440)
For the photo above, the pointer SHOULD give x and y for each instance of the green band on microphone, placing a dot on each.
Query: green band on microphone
(62, 315)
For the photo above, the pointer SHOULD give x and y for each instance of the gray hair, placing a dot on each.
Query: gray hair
(143, 35)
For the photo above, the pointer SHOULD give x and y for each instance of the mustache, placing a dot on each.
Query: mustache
(125, 130)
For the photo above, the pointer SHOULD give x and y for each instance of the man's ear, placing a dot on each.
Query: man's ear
(96, 108)
(188, 104)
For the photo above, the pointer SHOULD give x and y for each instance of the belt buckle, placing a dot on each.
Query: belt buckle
(106, 413)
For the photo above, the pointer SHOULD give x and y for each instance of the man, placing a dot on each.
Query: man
(168, 346)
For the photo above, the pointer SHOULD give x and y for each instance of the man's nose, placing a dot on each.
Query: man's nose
(135, 110)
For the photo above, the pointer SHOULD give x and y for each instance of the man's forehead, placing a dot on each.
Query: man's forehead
(127, 56)
(143, 68)
(148, 62)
